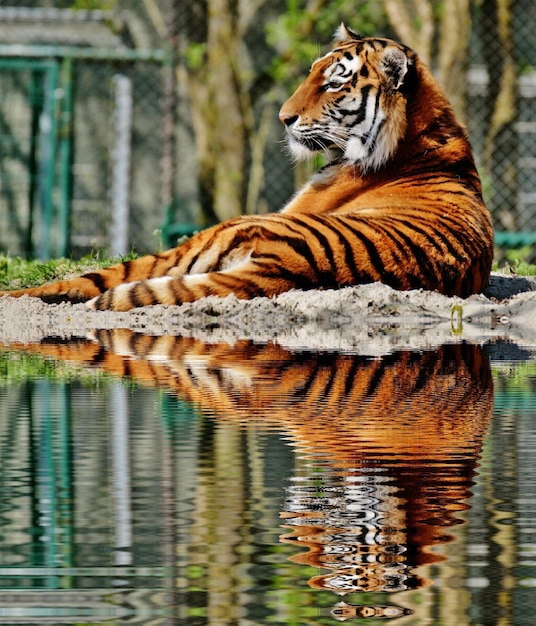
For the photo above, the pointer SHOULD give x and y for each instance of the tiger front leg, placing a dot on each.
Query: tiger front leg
(135, 294)
(167, 290)
(170, 290)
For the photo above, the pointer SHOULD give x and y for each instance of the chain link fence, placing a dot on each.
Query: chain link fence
(67, 81)
(501, 119)
(86, 153)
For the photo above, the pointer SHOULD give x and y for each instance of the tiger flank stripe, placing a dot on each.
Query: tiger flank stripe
(398, 201)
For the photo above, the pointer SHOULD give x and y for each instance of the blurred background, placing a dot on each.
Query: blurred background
(125, 125)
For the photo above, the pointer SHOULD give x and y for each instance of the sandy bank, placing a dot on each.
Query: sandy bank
(369, 319)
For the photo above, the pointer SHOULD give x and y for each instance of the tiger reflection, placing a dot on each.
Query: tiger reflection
(388, 446)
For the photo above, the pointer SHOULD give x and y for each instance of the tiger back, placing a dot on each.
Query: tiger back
(398, 200)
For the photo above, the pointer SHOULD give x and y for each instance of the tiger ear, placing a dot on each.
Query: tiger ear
(395, 65)
(344, 34)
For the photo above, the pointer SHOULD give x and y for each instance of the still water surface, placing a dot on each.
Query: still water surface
(165, 481)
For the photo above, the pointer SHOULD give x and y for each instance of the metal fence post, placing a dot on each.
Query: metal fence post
(65, 157)
(48, 133)
(121, 165)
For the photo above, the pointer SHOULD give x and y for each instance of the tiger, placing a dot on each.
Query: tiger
(391, 444)
(398, 199)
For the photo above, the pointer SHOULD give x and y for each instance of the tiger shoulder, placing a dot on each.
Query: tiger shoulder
(399, 199)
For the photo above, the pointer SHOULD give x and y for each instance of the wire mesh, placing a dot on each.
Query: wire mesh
(16, 152)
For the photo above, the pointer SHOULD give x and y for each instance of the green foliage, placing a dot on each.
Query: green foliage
(195, 56)
(518, 262)
(518, 259)
(92, 5)
(297, 32)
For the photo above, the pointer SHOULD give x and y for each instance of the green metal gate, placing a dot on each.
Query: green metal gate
(45, 143)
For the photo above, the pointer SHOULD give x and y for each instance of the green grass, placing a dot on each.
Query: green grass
(516, 261)
(17, 273)
(521, 268)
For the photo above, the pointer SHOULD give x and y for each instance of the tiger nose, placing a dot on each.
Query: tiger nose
(287, 119)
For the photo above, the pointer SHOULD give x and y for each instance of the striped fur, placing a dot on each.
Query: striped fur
(399, 200)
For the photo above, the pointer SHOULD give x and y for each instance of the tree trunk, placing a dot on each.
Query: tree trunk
(500, 148)
(455, 33)
(227, 128)
(414, 27)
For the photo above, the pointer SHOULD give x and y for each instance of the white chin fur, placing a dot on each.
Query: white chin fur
(367, 156)
(355, 151)
(298, 151)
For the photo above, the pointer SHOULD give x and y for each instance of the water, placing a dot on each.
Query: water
(165, 481)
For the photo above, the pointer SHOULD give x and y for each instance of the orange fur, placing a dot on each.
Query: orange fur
(399, 200)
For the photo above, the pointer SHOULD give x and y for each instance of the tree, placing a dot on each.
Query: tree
(219, 81)
(440, 34)
(499, 158)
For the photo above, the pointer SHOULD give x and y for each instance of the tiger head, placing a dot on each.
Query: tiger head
(352, 105)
